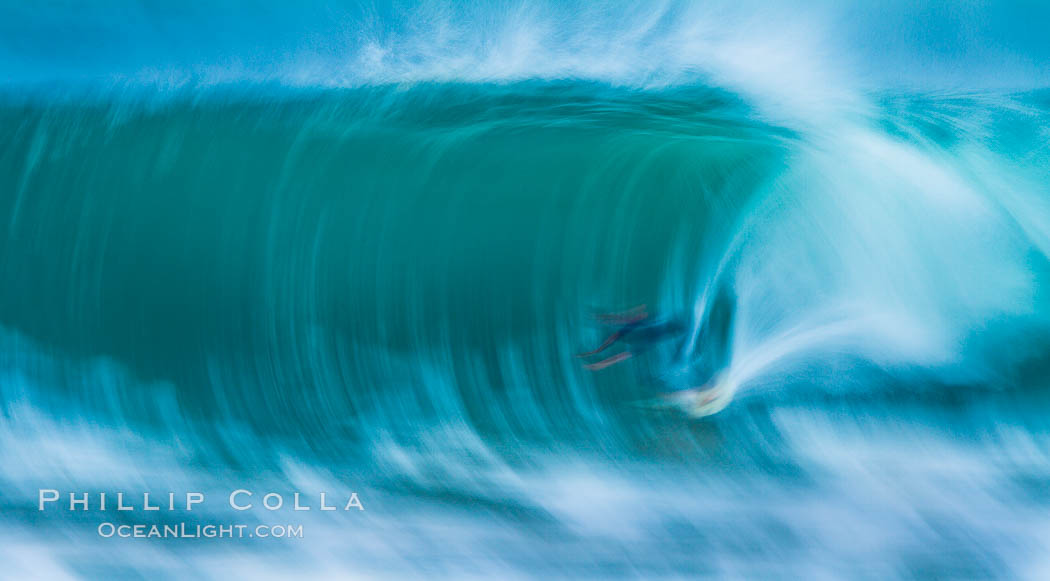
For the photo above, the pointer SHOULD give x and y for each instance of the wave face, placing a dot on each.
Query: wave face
(376, 279)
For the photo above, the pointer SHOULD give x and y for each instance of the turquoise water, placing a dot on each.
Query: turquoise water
(288, 247)
(377, 283)
(383, 290)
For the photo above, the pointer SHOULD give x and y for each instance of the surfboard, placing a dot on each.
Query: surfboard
(712, 400)
(696, 402)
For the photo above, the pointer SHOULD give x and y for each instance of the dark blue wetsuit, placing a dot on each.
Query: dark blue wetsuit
(643, 335)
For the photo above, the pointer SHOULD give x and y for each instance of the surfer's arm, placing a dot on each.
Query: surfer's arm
(609, 361)
(605, 345)
(631, 315)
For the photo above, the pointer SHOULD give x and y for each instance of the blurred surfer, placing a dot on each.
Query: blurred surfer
(676, 371)
(639, 332)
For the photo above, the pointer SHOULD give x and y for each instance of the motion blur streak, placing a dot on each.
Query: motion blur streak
(327, 248)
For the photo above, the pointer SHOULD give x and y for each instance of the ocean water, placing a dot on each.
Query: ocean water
(330, 248)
